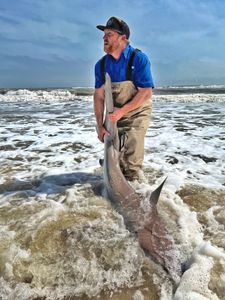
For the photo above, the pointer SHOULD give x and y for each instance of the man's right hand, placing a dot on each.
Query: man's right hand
(101, 131)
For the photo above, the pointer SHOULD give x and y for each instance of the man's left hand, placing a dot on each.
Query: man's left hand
(116, 115)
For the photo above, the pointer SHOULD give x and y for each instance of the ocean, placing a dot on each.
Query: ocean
(60, 239)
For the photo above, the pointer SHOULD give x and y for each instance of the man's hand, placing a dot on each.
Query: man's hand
(101, 133)
(116, 115)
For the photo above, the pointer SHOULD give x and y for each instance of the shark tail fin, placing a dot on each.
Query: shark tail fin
(156, 193)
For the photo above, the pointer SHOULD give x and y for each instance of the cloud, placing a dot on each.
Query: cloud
(32, 30)
(58, 32)
(48, 38)
(30, 72)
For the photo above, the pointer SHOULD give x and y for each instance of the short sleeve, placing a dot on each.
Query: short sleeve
(142, 76)
(98, 80)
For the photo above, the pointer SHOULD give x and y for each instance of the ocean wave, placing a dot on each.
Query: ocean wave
(27, 95)
(195, 98)
(175, 94)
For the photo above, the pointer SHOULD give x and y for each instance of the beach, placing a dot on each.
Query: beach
(61, 239)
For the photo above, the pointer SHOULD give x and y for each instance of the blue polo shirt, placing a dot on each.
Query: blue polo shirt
(141, 69)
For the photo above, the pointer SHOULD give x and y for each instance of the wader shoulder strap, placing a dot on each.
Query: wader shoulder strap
(102, 68)
(129, 66)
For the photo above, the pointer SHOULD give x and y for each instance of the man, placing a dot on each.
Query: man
(132, 90)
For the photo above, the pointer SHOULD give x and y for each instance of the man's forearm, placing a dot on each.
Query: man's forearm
(99, 108)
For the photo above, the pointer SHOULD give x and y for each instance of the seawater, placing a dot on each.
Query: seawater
(60, 239)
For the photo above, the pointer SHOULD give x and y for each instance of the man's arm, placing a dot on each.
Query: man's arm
(99, 103)
(142, 95)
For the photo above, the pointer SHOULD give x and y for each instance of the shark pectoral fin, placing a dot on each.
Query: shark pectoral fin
(156, 193)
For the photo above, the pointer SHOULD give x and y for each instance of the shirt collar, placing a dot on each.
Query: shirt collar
(126, 51)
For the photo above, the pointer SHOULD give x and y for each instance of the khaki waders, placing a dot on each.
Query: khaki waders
(131, 128)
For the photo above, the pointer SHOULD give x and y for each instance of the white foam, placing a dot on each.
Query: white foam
(74, 273)
(138, 295)
(187, 147)
(183, 228)
(194, 282)
(207, 249)
(195, 97)
(50, 156)
(41, 95)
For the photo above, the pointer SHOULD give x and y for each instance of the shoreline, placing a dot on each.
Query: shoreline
(89, 91)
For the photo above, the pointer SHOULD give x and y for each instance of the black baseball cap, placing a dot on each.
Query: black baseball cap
(117, 25)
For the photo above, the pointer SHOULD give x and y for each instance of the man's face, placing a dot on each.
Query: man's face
(112, 40)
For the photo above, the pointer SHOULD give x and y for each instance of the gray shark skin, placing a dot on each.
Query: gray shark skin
(145, 222)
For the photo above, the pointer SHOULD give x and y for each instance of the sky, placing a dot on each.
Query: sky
(55, 43)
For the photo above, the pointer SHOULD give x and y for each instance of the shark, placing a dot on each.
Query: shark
(140, 215)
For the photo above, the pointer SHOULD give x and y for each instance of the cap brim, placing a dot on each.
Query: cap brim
(101, 27)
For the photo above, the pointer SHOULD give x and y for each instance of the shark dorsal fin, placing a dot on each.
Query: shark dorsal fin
(156, 193)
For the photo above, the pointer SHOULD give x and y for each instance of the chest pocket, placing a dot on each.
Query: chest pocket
(123, 92)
